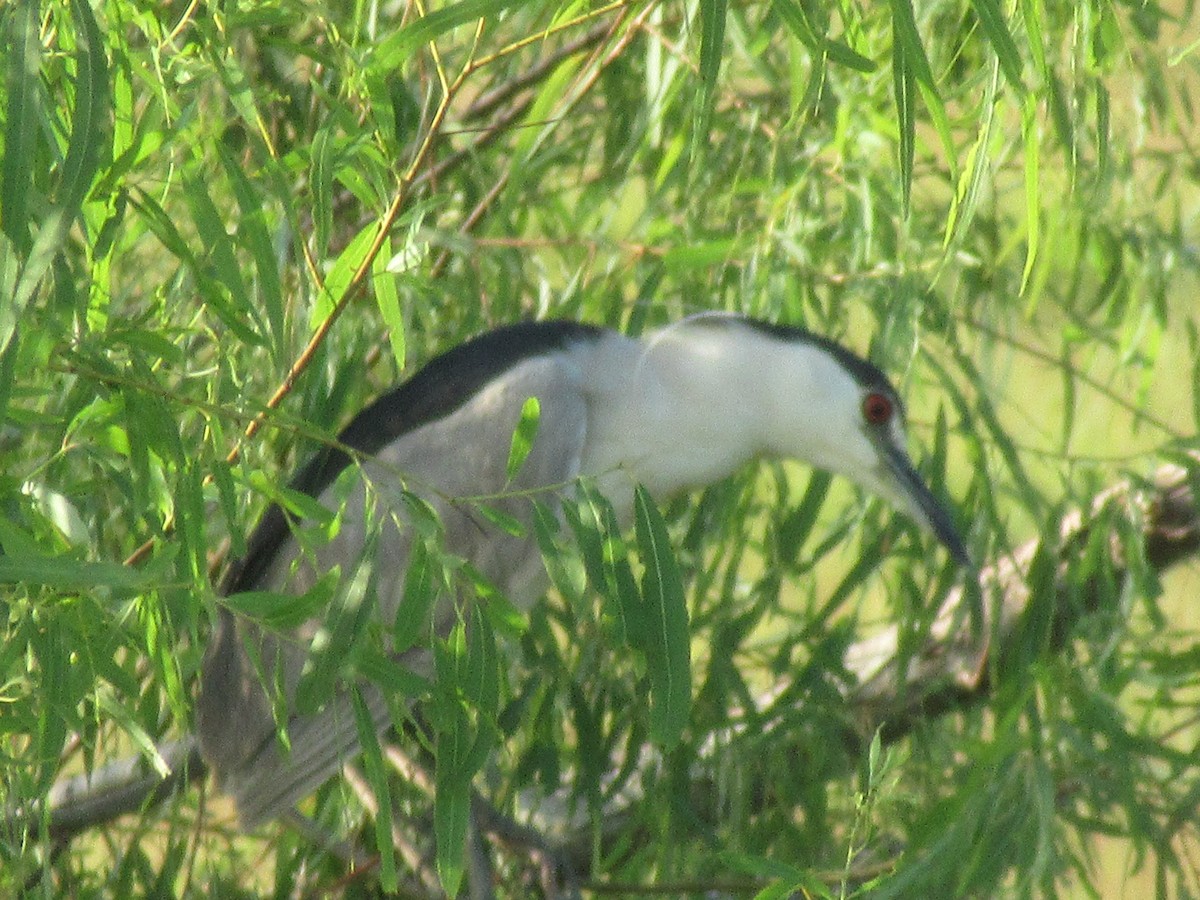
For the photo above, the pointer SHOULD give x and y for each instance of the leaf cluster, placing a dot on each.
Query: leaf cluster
(224, 227)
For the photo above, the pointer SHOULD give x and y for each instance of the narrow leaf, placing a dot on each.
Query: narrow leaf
(970, 182)
(421, 588)
(902, 85)
(1033, 215)
(345, 627)
(89, 127)
(285, 611)
(376, 773)
(20, 132)
(89, 131)
(991, 19)
(667, 643)
(606, 559)
(911, 68)
(712, 37)
(1031, 15)
(340, 277)
(452, 749)
(523, 436)
(66, 573)
(227, 494)
(505, 522)
(387, 298)
(480, 682)
(323, 155)
(392, 53)
(391, 675)
(451, 811)
(567, 572)
(797, 526)
(225, 269)
(796, 18)
(253, 235)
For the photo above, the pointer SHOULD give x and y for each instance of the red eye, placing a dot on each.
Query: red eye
(877, 409)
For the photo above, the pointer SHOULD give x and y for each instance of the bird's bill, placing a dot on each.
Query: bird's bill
(913, 495)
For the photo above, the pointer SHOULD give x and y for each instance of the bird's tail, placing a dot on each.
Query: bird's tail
(276, 778)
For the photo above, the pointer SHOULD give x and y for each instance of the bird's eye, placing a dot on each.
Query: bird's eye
(877, 409)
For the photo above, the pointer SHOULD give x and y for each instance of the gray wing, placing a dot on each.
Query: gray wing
(462, 455)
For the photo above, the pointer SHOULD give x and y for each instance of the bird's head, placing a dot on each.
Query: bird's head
(838, 412)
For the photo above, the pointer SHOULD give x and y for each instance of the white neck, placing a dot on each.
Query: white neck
(685, 406)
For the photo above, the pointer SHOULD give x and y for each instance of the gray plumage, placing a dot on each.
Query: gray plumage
(677, 409)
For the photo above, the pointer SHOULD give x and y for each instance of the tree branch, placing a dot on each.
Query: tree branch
(952, 668)
(894, 689)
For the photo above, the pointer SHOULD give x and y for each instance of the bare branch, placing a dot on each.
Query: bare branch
(894, 690)
(952, 668)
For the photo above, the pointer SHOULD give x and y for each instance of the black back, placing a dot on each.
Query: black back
(434, 392)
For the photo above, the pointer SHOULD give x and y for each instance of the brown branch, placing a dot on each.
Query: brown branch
(949, 671)
(961, 649)
(80, 802)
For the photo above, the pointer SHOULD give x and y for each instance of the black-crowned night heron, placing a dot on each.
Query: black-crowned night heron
(676, 409)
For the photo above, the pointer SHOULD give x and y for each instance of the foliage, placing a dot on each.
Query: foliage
(224, 227)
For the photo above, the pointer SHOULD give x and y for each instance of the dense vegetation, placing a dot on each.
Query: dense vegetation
(224, 227)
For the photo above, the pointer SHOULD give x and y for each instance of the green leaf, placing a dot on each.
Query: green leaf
(567, 573)
(336, 642)
(10, 276)
(90, 126)
(8, 351)
(190, 516)
(991, 19)
(122, 714)
(987, 420)
(606, 559)
(303, 506)
(342, 274)
(396, 678)
(253, 234)
(456, 748)
(227, 494)
(392, 53)
(324, 158)
(505, 522)
(423, 584)
(712, 36)
(451, 812)
(161, 649)
(285, 611)
(684, 257)
(1031, 15)
(387, 298)
(971, 180)
(377, 778)
(89, 135)
(1033, 210)
(523, 437)
(902, 84)
(502, 615)
(223, 268)
(667, 643)
(24, 112)
(910, 69)
(480, 678)
(796, 18)
(66, 573)
(798, 524)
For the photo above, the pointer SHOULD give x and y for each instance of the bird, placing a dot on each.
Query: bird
(673, 410)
